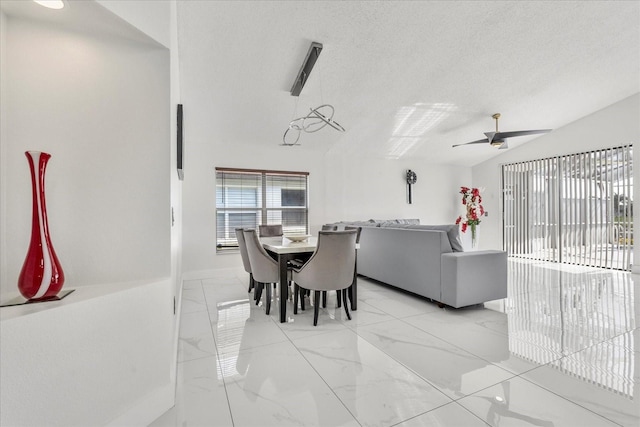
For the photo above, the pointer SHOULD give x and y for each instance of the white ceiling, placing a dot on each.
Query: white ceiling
(80, 16)
(407, 79)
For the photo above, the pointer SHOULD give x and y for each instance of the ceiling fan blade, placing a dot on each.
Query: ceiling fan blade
(502, 135)
(480, 141)
(490, 135)
(504, 146)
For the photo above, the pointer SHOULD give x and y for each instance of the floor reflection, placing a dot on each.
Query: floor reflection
(562, 349)
(568, 310)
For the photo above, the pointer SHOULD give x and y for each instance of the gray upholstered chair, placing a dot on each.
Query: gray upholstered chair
(245, 256)
(331, 267)
(329, 227)
(355, 271)
(265, 269)
(270, 230)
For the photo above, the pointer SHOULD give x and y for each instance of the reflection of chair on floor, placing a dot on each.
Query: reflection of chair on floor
(499, 409)
(264, 268)
(331, 267)
(245, 256)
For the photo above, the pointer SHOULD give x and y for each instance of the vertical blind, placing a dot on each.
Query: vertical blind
(575, 209)
(246, 198)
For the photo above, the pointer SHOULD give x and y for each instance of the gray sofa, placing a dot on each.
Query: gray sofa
(429, 261)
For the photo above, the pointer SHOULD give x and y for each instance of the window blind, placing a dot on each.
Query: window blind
(575, 209)
(247, 198)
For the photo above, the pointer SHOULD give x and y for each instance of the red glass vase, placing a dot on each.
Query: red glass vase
(41, 276)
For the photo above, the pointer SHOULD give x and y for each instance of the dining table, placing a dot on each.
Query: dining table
(285, 250)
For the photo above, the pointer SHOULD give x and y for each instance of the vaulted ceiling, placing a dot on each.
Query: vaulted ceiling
(407, 79)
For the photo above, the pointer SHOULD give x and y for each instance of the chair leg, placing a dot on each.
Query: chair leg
(339, 298)
(268, 303)
(346, 306)
(324, 299)
(258, 292)
(296, 291)
(250, 282)
(303, 293)
(316, 307)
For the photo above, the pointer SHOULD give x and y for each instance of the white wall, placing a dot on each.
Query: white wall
(103, 106)
(340, 188)
(100, 107)
(3, 136)
(361, 189)
(151, 17)
(202, 156)
(612, 126)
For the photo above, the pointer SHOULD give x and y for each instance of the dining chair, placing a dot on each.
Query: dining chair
(270, 230)
(329, 227)
(245, 257)
(355, 271)
(264, 268)
(330, 268)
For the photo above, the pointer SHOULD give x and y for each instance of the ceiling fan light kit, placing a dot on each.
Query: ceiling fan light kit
(499, 139)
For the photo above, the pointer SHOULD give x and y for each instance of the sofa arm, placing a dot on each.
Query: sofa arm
(473, 277)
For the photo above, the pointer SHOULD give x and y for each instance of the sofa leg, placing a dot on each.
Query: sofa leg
(440, 305)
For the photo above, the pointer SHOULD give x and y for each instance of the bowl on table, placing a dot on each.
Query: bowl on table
(297, 237)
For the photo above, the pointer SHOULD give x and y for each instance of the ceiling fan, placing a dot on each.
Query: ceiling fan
(499, 139)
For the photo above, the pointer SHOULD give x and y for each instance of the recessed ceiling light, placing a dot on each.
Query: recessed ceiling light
(51, 4)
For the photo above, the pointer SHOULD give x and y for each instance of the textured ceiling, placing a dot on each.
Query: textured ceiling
(407, 79)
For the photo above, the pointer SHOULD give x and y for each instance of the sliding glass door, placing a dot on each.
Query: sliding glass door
(575, 209)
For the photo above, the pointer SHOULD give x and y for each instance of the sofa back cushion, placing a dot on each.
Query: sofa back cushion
(452, 231)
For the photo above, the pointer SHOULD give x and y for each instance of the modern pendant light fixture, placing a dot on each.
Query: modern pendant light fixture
(51, 4)
(318, 117)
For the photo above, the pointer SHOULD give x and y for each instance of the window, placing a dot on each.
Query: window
(247, 198)
(574, 209)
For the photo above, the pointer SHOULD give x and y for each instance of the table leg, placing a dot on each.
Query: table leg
(284, 285)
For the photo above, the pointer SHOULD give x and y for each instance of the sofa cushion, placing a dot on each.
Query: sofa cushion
(369, 223)
(413, 221)
(389, 222)
(452, 231)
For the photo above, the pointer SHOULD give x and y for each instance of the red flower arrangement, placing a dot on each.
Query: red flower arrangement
(472, 200)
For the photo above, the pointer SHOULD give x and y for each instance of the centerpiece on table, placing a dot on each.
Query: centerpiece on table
(472, 201)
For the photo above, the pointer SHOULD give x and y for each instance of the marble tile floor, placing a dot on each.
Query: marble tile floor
(562, 350)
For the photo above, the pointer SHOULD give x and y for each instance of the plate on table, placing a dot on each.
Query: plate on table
(297, 237)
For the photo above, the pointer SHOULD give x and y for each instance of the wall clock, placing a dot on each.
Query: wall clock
(411, 179)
